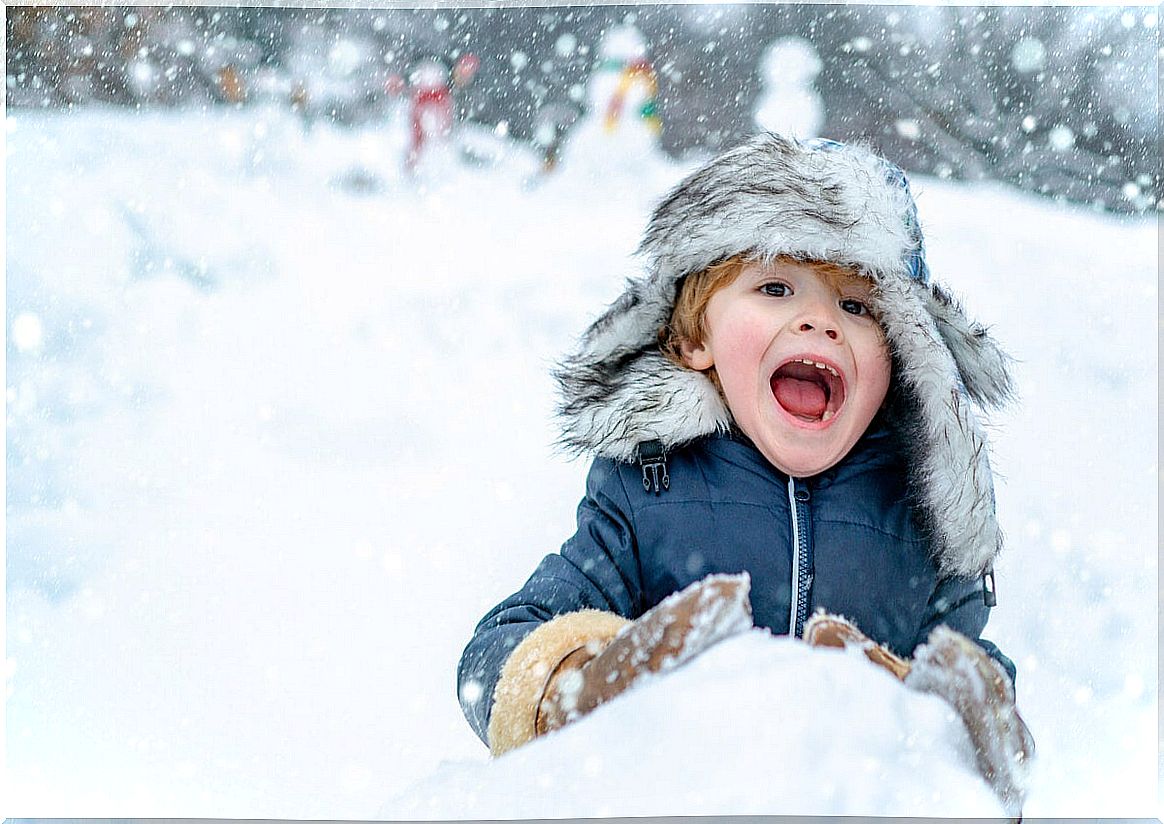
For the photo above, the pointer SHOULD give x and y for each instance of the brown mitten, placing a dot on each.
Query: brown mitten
(666, 636)
(826, 630)
(951, 665)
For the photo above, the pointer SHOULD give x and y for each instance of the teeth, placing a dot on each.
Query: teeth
(828, 414)
(823, 366)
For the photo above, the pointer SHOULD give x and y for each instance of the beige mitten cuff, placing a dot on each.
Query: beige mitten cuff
(527, 671)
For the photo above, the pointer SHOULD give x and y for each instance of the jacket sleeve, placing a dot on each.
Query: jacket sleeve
(580, 596)
(959, 604)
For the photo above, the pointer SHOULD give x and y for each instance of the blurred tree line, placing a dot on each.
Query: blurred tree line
(1062, 101)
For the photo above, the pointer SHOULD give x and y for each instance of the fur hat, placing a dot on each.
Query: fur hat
(817, 200)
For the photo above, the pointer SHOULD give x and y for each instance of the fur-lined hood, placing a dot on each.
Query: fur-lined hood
(817, 200)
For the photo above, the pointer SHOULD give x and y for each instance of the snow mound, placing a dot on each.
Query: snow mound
(756, 725)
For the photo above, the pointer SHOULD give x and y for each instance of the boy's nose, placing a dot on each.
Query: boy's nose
(832, 331)
(818, 314)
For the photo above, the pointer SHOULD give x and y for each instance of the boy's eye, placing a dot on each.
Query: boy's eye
(854, 307)
(776, 290)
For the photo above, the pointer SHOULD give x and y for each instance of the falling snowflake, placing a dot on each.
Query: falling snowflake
(1028, 55)
(1061, 138)
(471, 692)
(27, 332)
(142, 73)
(565, 45)
(908, 129)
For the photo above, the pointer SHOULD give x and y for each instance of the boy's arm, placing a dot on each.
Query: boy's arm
(959, 604)
(582, 595)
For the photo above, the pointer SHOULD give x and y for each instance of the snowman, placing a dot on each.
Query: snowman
(788, 103)
(623, 86)
(430, 92)
(622, 124)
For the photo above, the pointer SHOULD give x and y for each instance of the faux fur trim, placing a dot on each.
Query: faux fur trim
(982, 366)
(612, 405)
(523, 677)
(774, 196)
(950, 478)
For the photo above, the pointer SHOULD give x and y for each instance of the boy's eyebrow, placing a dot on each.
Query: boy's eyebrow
(754, 273)
(861, 285)
(843, 282)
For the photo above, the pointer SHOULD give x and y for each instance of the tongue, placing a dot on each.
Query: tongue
(806, 398)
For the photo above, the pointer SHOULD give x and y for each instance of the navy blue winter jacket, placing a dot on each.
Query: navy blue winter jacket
(857, 552)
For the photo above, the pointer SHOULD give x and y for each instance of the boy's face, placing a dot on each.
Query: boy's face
(762, 327)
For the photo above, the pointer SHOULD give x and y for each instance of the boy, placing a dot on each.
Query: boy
(783, 395)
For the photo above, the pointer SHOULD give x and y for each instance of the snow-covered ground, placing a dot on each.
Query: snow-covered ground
(278, 433)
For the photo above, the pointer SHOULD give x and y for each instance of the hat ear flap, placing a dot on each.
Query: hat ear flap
(982, 366)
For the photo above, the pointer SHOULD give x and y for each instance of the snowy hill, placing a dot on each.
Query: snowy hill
(278, 434)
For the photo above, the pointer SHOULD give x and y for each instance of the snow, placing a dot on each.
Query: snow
(705, 764)
(951, 666)
(277, 440)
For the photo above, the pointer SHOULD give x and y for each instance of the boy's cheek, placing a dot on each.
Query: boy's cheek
(877, 349)
(739, 366)
(884, 379)
(746, 343)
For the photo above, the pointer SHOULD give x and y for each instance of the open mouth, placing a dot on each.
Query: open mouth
(809, 390)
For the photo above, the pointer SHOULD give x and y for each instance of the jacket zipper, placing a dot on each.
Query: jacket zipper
(801, 572)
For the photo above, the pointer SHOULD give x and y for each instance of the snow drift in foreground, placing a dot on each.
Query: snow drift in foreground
(724, 735)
